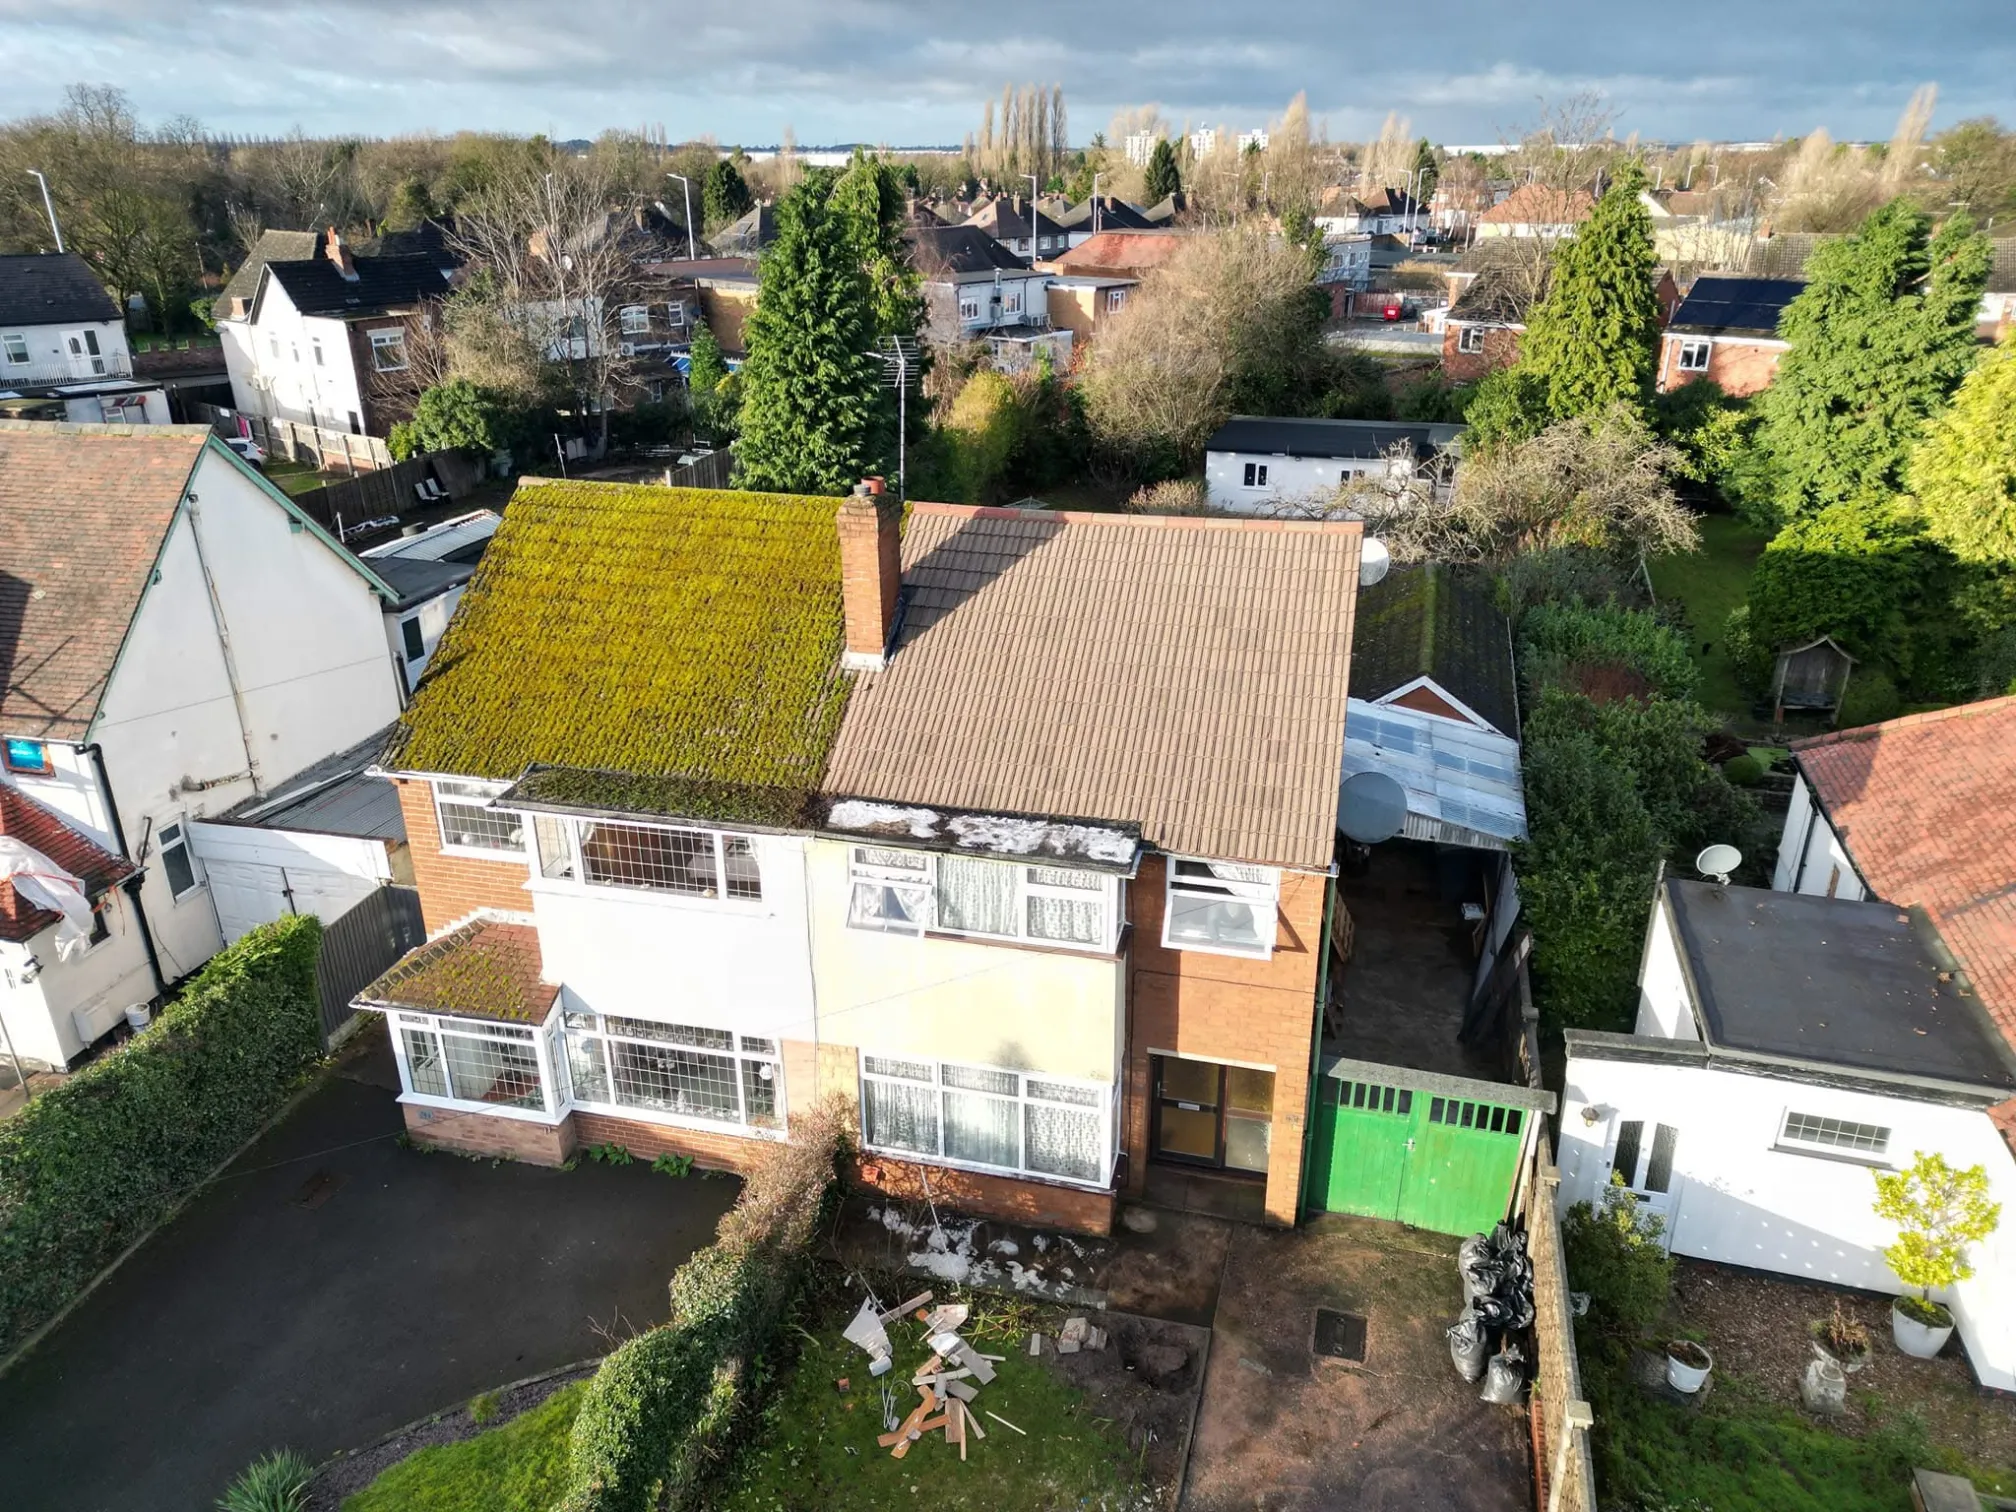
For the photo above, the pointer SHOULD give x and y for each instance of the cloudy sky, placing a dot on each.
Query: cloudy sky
(1463, 71)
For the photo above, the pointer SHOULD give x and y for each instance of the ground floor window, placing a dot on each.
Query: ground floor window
(487, 1065)
(639, 1065)
(1013, 1121)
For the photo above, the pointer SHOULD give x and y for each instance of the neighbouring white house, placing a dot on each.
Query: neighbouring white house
(975, 289)
(1536, 211)
(180, 638)
(1788, 1047)
(429, 568)
(1268, 464)
(1381, 212)
(325, 339)
(63, 348)
(1347, 259)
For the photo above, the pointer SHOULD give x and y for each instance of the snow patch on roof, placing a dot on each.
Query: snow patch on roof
(990, 834)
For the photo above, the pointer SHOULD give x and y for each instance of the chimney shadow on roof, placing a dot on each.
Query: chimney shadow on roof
(983, 550)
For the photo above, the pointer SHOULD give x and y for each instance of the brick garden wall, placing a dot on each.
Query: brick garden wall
(485, 1134)
(453, 887)
(1560, 1375)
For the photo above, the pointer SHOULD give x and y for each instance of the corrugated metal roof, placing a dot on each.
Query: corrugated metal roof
(1463, 785)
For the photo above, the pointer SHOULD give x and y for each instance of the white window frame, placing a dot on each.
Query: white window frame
(1853, 1142)
(388, 338)
(1255, 475)
(1695, 354)
(315, 345)
(163, 843)
(1102, 1110)
(969, 310)
(16, 345)
(1470, 340)
(476, 790)
(579, 1028)
(635, 320)
(675, 312)
(553, 1103)
(875, 866)
(1116, 299)
(564, 869)
(1011, 301)
(1262, 891)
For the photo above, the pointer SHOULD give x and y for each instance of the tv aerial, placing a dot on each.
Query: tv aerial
(1717, 862)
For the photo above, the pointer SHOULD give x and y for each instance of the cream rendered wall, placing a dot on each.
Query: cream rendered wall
(1739, 1200)
(719, 964)
(960, 1000)
(1810, 854)
(1665, 1010)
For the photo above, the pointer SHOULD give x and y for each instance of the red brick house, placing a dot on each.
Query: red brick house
(1481, 331)
(1726, 329)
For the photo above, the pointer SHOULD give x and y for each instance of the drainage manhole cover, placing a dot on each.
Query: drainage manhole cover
(318, 1189)
(1340, 1335)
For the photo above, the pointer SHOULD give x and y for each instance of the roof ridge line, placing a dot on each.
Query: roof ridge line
(1258, 523)
(1928, 716)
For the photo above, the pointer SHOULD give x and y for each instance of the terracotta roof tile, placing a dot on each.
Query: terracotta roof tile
(46, 831)
(1926, 806)
(1185, 674)
(83, 511)
(483, 969)
(1538, 205)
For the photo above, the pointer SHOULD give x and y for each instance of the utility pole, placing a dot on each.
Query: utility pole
(49, 206)
(687, 184)
(1095, 203)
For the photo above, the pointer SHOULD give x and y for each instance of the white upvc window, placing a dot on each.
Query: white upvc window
(675, 312)
(1694, 355)
(969, 309)
(988, 1118)
(1842, 1138)
(1011, 302)
(1220, 907)
(468, 823)
(684, 1073)
(658, 858)
(1115, 300)
(924, 892)
(477, 1064)
(636, 320)
(16, 344)
(388, 350)
(1470, 340)
(171, 844)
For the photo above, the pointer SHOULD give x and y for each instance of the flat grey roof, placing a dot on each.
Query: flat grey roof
(335, 796)
(1854, 985)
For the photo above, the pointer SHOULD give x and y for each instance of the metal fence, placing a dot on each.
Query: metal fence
(711, 471)
(360, 946)
(1564, 1471)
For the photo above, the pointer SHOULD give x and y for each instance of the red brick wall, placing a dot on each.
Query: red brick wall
(1013, 1198)
(1742, 368)
(453, 887)
(1501, 349)
(487, 1134)
(717, 1152)
(1227, 1008)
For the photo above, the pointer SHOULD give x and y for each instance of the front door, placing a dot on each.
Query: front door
(1208, 1114)
(1643, 1156)
(86, 359)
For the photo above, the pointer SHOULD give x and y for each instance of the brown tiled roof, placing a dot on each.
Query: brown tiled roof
(1127, 252)
(44, 830)
(83, 511)
(1186, 674)
(1926, 806)
(484, 969)
(1538, 205)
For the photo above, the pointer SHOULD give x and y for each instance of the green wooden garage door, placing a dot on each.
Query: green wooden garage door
(1433, 1161)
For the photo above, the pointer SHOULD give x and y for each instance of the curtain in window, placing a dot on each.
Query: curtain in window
(1065, 1142)
(976, 896)
(901, 1117)
(1067, 919)
(981, 1129)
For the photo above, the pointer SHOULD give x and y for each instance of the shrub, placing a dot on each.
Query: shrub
(1557, 637)
(277, 1482)
(662, 1408)
(1938, 1211)
(90, 1166)
(1871, 697)
(1172, 496)
(1613, 1253)
(982, 430)
(1563, 575)
(454, 416)
(1743, 771)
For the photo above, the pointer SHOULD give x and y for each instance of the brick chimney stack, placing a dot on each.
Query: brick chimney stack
(334, 249)
(871, 573)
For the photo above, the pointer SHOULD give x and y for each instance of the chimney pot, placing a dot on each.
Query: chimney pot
(871, 574)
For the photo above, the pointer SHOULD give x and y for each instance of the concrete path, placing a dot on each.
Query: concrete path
(330, 1288)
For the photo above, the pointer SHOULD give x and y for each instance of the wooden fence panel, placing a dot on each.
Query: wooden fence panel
(382, 494)
(715, 470)
(360, 946)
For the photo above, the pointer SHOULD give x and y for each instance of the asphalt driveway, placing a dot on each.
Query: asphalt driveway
(329, 1288)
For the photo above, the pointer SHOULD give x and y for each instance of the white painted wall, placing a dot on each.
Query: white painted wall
(41, 1014)
(50, 358)
(432, 617)
(717, 963)
(1288, 479)
(1738, 1199)
(1028, 292)
(274, 368)
(1811, 857)
(1665, 1010)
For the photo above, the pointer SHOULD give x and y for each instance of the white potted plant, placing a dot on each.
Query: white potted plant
(1938, 1212)
(1687, 1365)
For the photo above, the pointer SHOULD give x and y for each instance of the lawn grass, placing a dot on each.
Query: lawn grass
(815, 1449)
(293, 477)
(1708, 584)
(521, 1467)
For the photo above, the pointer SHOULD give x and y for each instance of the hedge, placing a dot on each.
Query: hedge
(1556, 639)
(89, 1166)
(663, 1407)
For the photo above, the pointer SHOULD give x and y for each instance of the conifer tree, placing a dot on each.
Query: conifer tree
(1881, 337)
(1593, 340)
(1964, 471)
(1163, 178)
(811, 394)
(724, 194)
(705, 372)
(1426, 165)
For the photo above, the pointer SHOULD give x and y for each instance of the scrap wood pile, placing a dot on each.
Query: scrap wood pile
(952, 1375)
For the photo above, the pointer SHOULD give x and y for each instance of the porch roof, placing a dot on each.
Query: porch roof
(488, 968)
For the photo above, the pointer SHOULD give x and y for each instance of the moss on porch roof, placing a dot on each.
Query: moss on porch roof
(484, 969)
(641, 631)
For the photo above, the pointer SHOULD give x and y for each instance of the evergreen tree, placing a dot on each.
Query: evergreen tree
(1428, 167)
(1593, 340)
(724, 193)
(705, 372)
(411, 204)
(1964, 471)
(812, 397)
(869, 200)
(1880, 338)
(1163, 178)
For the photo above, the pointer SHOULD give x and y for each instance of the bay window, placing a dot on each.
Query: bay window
(1219, 906)
(919, 892)
(1022, 1123)
(629, 1065)
(469, 823)
(490, 1066)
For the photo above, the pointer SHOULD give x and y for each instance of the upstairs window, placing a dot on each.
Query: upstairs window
(969, 309)
(1011, 302)
(661, 858)
(1115, 299)
(388, 350)
(27, 756)
(1694, 356)
(1220, 907)
(919, 892)
(17, 347)
(636, 320)
(469, 823)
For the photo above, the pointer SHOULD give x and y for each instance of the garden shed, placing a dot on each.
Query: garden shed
(1812, 676)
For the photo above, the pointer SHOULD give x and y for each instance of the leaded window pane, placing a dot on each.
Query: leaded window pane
(485, 1070)
(976, 897)
(975, 1079)
(1064, 1142)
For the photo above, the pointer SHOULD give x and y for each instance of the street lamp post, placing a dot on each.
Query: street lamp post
(687, 184)
(49, 206)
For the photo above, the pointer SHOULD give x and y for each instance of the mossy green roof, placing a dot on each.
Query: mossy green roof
(639, 631)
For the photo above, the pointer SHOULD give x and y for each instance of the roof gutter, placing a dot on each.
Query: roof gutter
(133, 883)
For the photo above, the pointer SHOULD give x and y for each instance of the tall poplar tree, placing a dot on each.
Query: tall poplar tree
(1593, 340)
(1881, 337)
(811, 395)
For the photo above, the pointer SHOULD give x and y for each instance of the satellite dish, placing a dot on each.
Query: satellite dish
(1371, 807)
(1718, 861)
(1373, 561)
